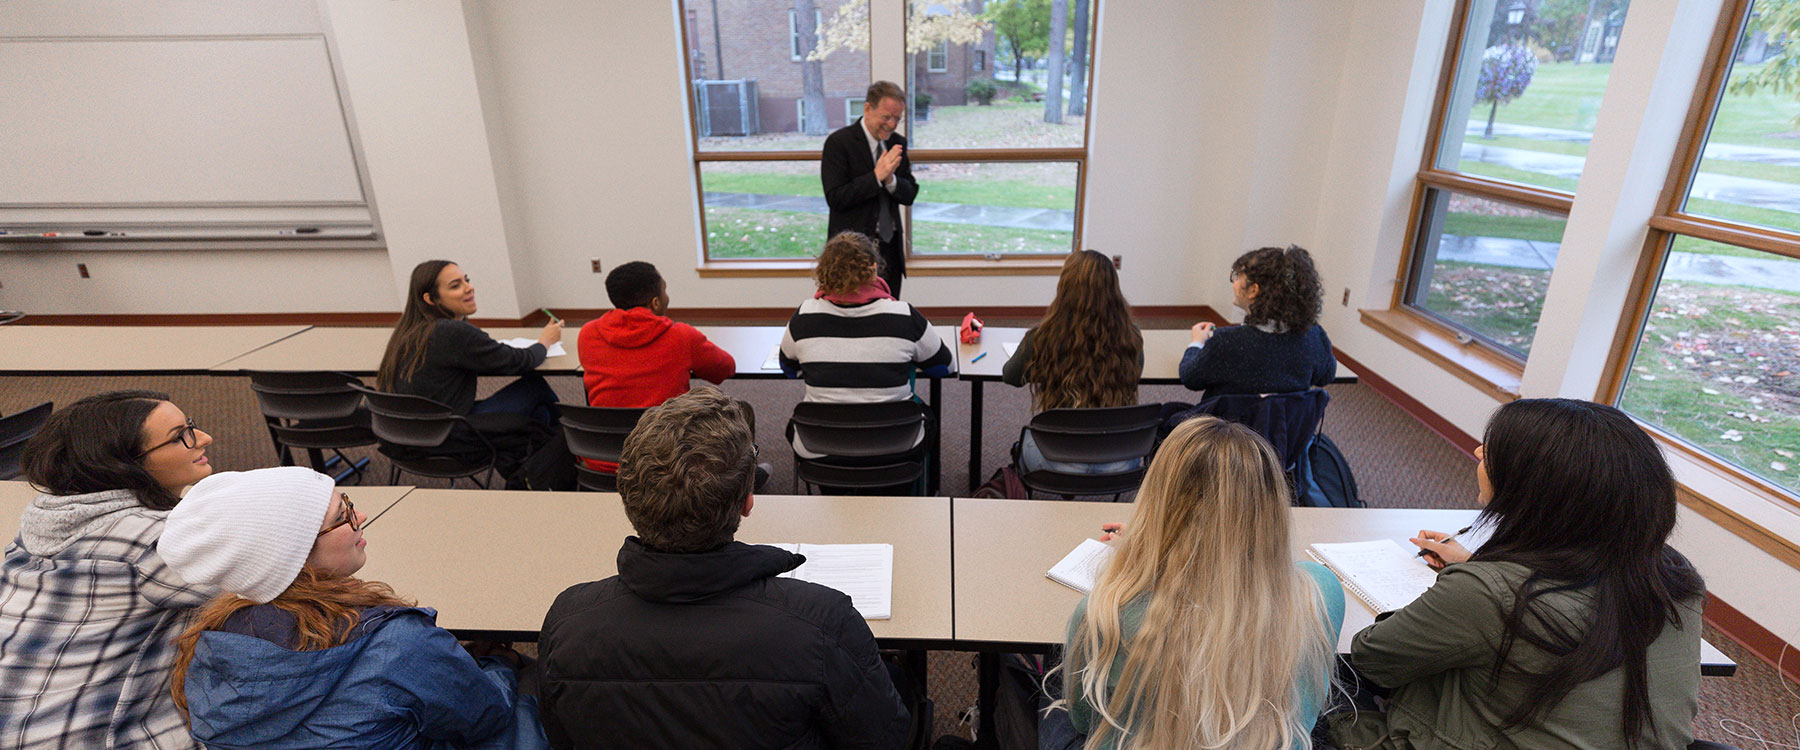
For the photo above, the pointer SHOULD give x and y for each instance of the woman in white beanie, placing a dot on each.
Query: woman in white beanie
(298, 653)
(87, 608)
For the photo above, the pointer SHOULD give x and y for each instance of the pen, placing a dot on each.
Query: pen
(1446, 540)
(977, 358)
(546, 311)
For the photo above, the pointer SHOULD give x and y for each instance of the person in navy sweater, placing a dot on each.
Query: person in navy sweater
(1280, 348)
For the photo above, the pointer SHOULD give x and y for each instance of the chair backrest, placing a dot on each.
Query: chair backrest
(15, 430)
(859, 430)
(597, 432)
(1287, 420)
(306, 395)
(1096, 435)
(408, 420)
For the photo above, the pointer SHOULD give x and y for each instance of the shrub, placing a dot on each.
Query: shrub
(982, 90)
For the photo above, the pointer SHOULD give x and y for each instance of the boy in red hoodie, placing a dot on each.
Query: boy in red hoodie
(634, 356)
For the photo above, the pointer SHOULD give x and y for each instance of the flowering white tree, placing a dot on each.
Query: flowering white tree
(927, 25)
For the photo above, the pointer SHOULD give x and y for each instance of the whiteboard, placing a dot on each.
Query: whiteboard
(184, 120)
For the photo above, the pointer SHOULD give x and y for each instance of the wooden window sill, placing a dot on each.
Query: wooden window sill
(1491, 372)
(916, 266)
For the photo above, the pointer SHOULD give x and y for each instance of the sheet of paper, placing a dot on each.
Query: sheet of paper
(1081, 567)
(1010, 347)
(1382, 573)
(554, 350)
(774, 360)
(863, 571)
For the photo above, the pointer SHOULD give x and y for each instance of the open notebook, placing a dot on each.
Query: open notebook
(553, 350)
(863, 571)
(1081, 567)
(1382, 573)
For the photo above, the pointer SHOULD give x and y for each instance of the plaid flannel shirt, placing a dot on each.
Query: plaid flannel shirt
(86, 640)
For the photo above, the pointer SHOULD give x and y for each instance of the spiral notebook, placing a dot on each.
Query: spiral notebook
(1383, 574)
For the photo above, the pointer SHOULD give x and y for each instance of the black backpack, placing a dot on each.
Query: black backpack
(1324, 479)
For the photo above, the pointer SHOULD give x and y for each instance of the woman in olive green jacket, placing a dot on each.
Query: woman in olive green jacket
(1574, 626)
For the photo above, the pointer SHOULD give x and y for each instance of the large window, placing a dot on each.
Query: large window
(999, 150)
(1715, 363)
(1523, 82)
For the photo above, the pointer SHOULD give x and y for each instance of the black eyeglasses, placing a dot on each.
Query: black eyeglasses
(349, 518)
(185, 435)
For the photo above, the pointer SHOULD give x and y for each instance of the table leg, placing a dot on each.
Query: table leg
(975, 475)
(988, 672)
(937, 446)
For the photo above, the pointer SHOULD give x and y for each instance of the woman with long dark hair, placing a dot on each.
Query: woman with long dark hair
(1280, 348)
(1575, 625)
(86, 602)
(1085, 353)
(298, 652)
(434, 351)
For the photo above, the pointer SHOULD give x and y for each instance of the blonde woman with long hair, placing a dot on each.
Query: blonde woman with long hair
(1202, 632)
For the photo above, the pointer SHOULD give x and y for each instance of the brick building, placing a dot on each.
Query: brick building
(758, 40)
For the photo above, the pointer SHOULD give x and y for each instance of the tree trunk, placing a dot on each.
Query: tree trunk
(1581, 39)
(1490, 126)
(1018, 60)
(1053, 81)
(1078, 62)
(812, 72)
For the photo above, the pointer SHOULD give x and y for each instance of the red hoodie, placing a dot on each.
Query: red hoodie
(636, 358)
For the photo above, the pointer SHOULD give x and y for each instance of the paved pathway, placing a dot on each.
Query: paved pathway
(1745, 191)
(1786, 157)
(1771, 273)
(947, 213)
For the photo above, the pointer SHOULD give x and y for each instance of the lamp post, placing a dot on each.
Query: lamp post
(1515, 15)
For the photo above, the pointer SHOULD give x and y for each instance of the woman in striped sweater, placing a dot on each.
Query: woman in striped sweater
(853, 342)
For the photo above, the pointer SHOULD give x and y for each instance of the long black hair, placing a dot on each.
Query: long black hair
(406, 348)
(1583, 498)
(93, 445)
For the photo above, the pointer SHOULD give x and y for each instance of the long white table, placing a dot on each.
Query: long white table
(101, 350)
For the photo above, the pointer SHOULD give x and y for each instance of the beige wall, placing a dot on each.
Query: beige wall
(524, 138)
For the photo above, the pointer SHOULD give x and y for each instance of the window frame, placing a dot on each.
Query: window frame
(942, 52)
(918, 264)
(1670, 222)
(794, 53)
(1433, 177)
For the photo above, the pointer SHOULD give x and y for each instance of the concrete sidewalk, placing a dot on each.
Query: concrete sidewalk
(947, 213)
(1772, 273)
(1786, 157)
(1744, 191)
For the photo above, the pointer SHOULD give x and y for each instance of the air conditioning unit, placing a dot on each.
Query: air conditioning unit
(726, 107)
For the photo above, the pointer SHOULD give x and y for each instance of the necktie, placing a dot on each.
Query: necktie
(884, 226)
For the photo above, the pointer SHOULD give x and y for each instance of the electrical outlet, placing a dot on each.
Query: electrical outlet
(595, 262)
(1346, 302)
(1118, 261)
(81, 268)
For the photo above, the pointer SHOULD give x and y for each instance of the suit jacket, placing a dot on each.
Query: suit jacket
(847, 170)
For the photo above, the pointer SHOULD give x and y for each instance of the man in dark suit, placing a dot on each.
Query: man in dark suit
(867, 178)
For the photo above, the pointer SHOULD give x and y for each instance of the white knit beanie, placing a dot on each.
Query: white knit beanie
(247, 532)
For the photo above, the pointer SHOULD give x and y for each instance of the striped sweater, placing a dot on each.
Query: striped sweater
(861, 354)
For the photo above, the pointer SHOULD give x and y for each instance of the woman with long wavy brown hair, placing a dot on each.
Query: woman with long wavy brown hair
(1085, 353)
(298, 652)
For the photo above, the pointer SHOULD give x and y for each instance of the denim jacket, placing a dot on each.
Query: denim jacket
(399, 682)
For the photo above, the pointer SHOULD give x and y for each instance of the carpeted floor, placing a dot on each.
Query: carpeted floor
(1397, 461)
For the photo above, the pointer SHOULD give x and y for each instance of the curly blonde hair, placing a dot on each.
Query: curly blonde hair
(848, 263)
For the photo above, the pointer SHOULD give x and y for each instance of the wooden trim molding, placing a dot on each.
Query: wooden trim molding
(1039, 265)
(1494, 374)
(1543, 199)
(1756, 639)
(1780, 548)
(1772, 241)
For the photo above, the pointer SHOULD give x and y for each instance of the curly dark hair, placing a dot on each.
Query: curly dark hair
(633, 284)
(1288, 289)
(844, 264)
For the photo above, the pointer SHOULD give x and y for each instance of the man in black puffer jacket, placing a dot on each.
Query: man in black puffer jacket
(696, 643)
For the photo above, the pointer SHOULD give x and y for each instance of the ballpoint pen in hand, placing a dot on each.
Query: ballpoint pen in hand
(1446, 540)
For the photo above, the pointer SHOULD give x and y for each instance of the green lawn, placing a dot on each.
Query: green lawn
(1535, 228)
(1500, 303)
(1566, 95)
(758, 233)
(976, 192)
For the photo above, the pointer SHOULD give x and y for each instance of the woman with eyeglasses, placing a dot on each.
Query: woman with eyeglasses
(87, 605)
(299, 653)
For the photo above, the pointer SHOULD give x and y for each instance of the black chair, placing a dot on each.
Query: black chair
(1091, 436)
(315, 412)
(14, 431)
(598, 433)
(413, 430)
(866, 446)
